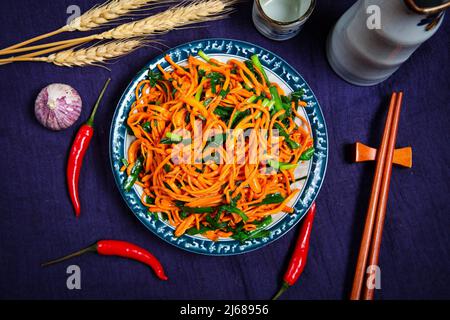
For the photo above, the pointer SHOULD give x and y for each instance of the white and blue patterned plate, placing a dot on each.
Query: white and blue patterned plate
(278, 70)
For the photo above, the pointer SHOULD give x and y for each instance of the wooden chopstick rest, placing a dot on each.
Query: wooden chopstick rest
(402, 156)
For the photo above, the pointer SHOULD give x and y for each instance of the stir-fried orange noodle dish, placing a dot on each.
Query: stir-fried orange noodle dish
(215, 147)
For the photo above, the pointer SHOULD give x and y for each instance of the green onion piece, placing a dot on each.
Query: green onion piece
(193, 231)
(307, 155)
(252, 99)
(242, 236)
(216, 141)
(223, 112)
(271, 199)
(291, 143)
(198, 209)
(174, 137)
(215, 78)
(235, 210)
(223, 93)
(201, 72)
(149, 200)
(281, 165)
(276, 97)
(129, 130)
(199, 92)
(234, 200)
(301, 178)
(147, 126)
(297, 95)
(207, 102)
(264, 222)
(238, 116)
(134, 174)
(257, 63)
(154, 77)
(259, 234)
(124, 161)
(203, 55)
(214, 222)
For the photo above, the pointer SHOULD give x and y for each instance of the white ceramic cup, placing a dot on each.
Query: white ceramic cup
(281, 19)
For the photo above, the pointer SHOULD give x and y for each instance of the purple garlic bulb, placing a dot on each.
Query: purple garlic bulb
(57, 106)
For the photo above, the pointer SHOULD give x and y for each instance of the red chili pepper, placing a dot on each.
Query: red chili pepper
(299, 257)
(121, 249)
(77, 152)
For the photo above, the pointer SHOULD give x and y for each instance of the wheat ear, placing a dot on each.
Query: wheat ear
(178, 16)
(105, 13)
(93, 18)
(95, 55)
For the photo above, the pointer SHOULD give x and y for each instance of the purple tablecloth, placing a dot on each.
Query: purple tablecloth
(37, 222)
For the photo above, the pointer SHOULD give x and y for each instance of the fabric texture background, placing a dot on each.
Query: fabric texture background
(37, 222)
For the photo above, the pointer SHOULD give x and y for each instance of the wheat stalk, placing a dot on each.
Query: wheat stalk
(93, 18)
(173, 18)
(178, 16)
(95, 55)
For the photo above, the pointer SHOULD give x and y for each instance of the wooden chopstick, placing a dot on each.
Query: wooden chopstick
(371, 211)
(382, 201)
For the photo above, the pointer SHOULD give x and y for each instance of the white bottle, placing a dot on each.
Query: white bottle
(374, 37)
